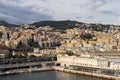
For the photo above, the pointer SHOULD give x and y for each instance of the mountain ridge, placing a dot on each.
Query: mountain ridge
(62, 25)
(6, 24)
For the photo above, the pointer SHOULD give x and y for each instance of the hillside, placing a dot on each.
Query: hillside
(57, 24)
(62, 25)
(4, 23)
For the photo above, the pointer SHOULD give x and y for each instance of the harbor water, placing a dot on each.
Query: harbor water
(50, 75)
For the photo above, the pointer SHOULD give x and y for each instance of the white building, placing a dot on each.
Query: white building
(115, 65)
(36, 50)
(66, 60)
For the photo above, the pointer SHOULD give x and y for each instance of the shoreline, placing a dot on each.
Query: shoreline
(60, 70)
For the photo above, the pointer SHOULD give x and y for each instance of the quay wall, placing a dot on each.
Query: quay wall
(87, 73)
(67, 71)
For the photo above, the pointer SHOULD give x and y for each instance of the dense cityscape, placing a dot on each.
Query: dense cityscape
(59, 40)
(83, 49)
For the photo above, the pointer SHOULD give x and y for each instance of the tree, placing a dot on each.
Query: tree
(86, 36)
(70, 53)
(32, 56)
(20, 44)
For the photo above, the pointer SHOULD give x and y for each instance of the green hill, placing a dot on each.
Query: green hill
(6, 24)
(57, 24)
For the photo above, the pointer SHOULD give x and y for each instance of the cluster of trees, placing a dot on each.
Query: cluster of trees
(67, 24)
(62, 25)
(87, 36)
(70, 53)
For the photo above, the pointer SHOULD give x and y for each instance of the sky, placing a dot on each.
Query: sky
(89, 11)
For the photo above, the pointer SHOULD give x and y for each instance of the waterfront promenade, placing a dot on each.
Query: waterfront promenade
(20, 65)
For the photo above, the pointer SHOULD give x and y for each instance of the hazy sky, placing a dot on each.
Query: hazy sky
(28, 11)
